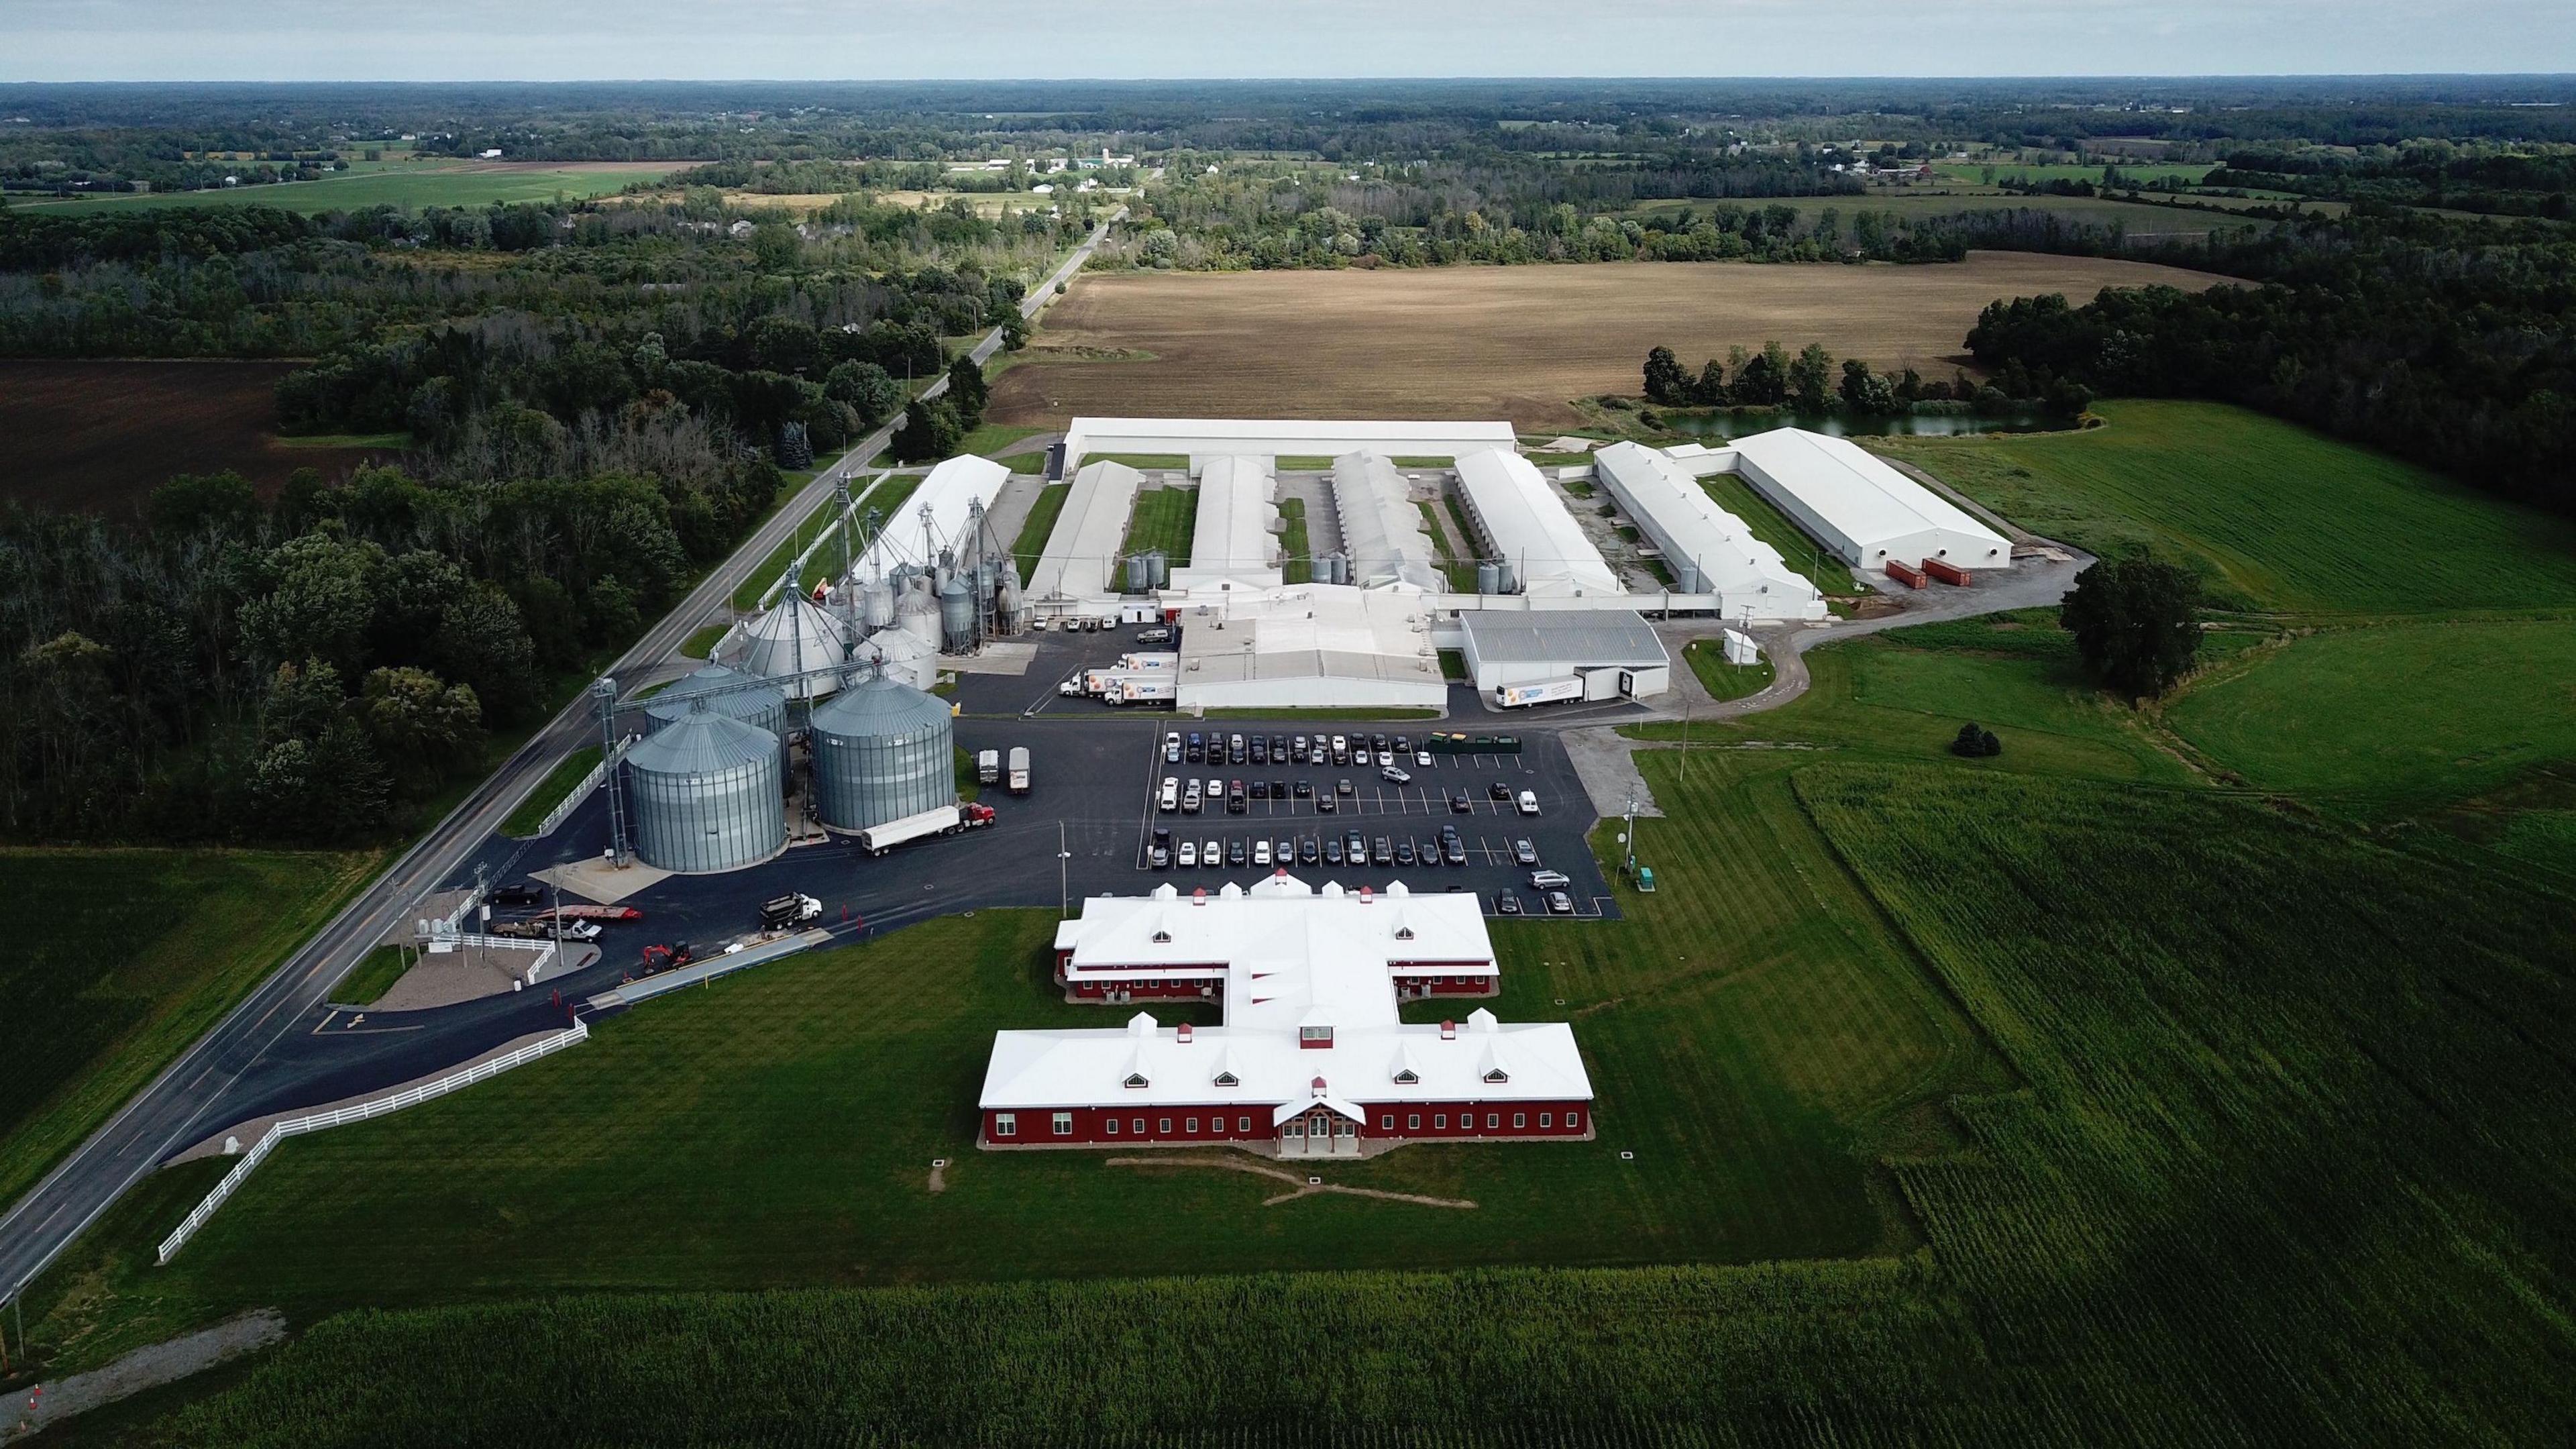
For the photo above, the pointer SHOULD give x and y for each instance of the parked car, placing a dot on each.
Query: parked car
(1260, 789)
(1548, 880)
(1159, 634)
(1382, 853)
(1404, 852)
(1333, 852)
(1454, 850)
(1189, 856)
(1507, 904)
(1212, 854)
(1285, 851)
(1261, 852)
(1326, 805)
(1360, 757)
(1234, 853)
(1460, 804)
(1170, 799)
(1160, 858)
(1422, 759)
(1234, 799)
(1559, 904)
(1499, 790)
(1524, 853)
(1260, 751)
(1198, 747)
(1529, 802)
(1308, 851)
(1342, 786)
(1355, 846)
(1395, 775)
(516, 895)
(1305, 788)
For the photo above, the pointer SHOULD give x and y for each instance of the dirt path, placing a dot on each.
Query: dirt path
(1303, 1187)
(29, 1410)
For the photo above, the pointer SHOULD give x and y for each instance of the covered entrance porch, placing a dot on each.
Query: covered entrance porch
(1323, 1127)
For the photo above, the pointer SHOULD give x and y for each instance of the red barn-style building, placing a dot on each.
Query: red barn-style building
(1312, 1059)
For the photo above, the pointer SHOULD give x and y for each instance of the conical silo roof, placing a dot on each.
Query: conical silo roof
(879, 706)
(793, 637)
(702, 742)
(725, 691)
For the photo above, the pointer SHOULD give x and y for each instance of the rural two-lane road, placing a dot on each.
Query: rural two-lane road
(167, 1115)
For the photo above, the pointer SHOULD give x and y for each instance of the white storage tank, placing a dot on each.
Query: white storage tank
(707, 796)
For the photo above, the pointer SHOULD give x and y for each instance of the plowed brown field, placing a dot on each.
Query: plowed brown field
(1486, 342)
(103, 435)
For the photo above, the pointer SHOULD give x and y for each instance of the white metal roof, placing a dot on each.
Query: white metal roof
(1272, 437)
(1708, 549)
(1232, 537)
(1529, 528)
(1601, 636)
(1381, 529)
(1305, 630)
(1835, 486)
(1294, 957)
(1081, 558)
(950, 491)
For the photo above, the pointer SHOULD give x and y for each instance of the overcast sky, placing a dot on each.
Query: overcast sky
(911, 39)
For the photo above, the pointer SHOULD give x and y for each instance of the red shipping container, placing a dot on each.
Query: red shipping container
(1905, 574)
(1946, 572)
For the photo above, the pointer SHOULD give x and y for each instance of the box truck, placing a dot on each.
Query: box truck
(1019, 769)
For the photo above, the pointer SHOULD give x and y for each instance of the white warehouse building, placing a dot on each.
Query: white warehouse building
(1527, 529)
(1855, 503)
(1081, 558)
(951, 495)
(1708, 549)
(1381, 530)
(1614, 652)
(1232, 542)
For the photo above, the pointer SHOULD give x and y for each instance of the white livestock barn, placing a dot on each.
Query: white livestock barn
(1709, 550)
(1525, 528)
(1081, 559)
(1233, 540)
(1381, 529)
(1856, 504)
(935, 517)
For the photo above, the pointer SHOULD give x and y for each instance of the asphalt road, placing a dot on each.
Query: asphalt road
(220, 1071)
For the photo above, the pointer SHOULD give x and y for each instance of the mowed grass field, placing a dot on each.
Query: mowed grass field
(1165, 519)
(2278, 518)
(118, 959)
(1499, 342)
(412, 186)
(100, 435)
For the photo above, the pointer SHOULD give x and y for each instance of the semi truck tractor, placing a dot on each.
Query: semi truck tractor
(988, 766)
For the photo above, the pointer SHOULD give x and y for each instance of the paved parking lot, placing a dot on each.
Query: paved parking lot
(1409, 813)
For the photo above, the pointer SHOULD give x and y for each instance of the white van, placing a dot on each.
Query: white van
(1529, 802)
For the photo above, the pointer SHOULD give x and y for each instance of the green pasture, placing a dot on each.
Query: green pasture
(412, 186)
(2278, 518)
(118, 959)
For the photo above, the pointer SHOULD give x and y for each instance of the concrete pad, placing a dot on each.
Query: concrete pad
(594, 879)
(1002, 656)
(1607, 766)
(470, 973)
(1570, 445)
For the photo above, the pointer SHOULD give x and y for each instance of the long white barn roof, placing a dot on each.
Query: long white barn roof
(1529, 527)
(1709, 549)
(1273, 437)
(1232, 537)
(1833, 486)
(1081, 558)
(1381, 529)
(948, 490)
(1293, 957)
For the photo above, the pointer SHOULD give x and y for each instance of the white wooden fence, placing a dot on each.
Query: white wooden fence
(573, 797)
(340, 1117)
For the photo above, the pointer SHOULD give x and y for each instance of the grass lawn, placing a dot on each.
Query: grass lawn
(550, 792)
(1031, 544)
(1453, 664)
(990, 438)
(2392, 715)
(702, 643)
(1295, 548)
(756, 583)
(120, 958)
(345, 440)
(2277, 517)
(1164, 518)
(373, 976)
(1767, 523)
(1725, 681)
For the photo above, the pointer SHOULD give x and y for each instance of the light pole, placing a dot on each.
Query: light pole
(1063, 874)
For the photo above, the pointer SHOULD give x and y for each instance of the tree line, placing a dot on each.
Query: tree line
(1812, 381)
(310, 669)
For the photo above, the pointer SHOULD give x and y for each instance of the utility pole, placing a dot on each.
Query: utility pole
(1063, 874)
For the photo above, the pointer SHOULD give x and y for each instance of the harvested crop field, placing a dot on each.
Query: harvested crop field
(1483, 342)
(103, 435)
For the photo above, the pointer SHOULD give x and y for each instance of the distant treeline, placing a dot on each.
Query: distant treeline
(2448, 342)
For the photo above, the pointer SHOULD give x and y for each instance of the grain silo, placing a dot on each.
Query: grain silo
(882, 750)
(706, 794)
(796, 638)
